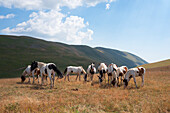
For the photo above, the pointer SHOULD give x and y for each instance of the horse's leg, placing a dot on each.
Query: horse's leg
(116, 82)
(121, 80)
(46, 81)
(142, 80)
(33, 76)
(91, 77)
(49, 75)
(38, 79)
(68, 77)
(108, 79)
(135, 81)
(76, 77)
(42, 77)
(53, 79)
(79, 77)
(65, 77)
(105, 77)
(29, 81)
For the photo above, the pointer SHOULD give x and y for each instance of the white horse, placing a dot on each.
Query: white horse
(102, 69)
(74, 70)
(48, 69)
(112, 73)
(91, 70)
(27, 72)
(121, 71)
(134, 72)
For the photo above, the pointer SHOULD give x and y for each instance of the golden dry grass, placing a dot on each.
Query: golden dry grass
(157, 64)
(153, 97)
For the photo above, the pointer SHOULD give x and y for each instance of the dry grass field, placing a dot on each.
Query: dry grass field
(82, 97)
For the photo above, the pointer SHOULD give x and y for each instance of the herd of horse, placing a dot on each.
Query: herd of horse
(113, 72)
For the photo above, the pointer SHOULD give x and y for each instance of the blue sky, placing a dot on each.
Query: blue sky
(141, 27)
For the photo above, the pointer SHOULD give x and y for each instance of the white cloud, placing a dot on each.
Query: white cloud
(53, 25)
(7, 16)
(49, 23)
(107, 6)
(49, 4)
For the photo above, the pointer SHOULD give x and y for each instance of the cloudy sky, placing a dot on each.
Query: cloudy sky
(141, 27)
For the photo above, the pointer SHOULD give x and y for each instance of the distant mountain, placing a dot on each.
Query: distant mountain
(19, 51)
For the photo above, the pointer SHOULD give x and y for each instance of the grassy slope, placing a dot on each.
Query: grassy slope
(121, 58)
(157, 64)
(19, 51)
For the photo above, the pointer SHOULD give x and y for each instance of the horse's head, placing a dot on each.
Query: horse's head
(100, 79)
(34, 65)
(92, 68)
(59, 74)
(22, 78)
(141, 71)
(125, 83)
(113, 81)
(85, 77)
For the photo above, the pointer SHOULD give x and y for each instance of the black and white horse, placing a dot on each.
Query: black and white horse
(91, 70)
(102, 69)
(112, 74)
(121, 71)
(48, 69)
(134, 72)
(27, 72)
(78, 70)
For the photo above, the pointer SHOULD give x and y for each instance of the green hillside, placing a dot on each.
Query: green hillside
(19, 51)
(157, 64)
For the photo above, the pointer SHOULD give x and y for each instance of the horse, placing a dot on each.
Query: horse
(134, 72)
(27, 72)
(91, 70)
(102, 69)
(78, 70)
(46, 69)
(112, 73)
(121, 71)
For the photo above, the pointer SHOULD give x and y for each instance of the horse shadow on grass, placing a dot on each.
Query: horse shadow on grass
(108, 86)
(131, 88)
(33, 86)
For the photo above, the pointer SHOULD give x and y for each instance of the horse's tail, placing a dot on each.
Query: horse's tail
(52, 66)
(65, 70)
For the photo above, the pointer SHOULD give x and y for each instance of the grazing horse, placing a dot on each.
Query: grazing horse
(112, 73)
(48, 69)
(102, 69)
(121, 71)
(74, 70)
(91, 70)
(134, 72)
(27, 72)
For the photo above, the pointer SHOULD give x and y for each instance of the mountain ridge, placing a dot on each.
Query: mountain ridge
(19, 51)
